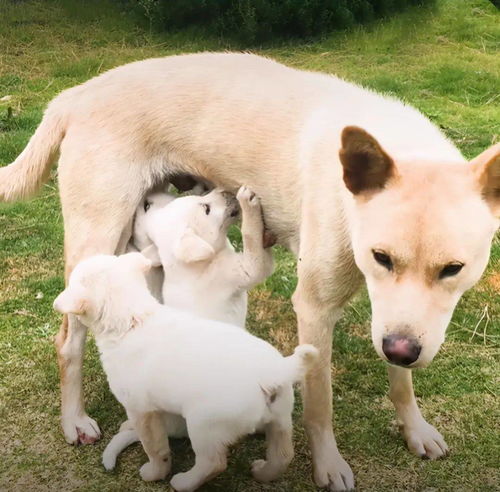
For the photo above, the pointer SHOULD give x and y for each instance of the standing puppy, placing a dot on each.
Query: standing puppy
(160, 359)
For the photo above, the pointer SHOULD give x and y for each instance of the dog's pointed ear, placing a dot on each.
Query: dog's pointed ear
(191, 248)
(486, 168)
(367, 167)
(72, 300)
(151, 253)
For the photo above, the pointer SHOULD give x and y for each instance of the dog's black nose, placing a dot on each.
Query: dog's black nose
(400, 349)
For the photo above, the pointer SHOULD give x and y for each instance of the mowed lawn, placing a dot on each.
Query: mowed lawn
(446, 62)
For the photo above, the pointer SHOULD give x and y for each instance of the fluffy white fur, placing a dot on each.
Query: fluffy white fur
(222, 380)
(172, 232)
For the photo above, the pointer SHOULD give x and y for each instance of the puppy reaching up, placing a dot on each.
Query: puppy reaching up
(160, 359)
(203, 273)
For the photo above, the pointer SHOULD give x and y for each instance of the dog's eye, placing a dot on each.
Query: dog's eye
(383, 259)
(206, 206)
(146, 205)
(450, 270)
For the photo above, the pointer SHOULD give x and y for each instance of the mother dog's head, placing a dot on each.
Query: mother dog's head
(421, 236)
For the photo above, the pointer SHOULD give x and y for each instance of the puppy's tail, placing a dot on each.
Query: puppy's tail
(120, 441)
(300, 362)
(31, 169)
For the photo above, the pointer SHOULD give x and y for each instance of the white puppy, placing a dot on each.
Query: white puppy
(140, 239)
(204, 274)
(223, 381)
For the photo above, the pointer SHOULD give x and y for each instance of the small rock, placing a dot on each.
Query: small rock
(39, 295)
(5, 98)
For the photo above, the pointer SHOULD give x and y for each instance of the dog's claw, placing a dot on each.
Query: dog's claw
(425, 441)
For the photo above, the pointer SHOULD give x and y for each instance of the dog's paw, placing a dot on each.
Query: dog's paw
(333, 473)
(247, 197)
(81, 430)
(425, 441)
(151, 472)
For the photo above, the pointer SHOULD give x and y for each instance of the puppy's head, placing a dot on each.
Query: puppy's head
(194, 228)
(152, 201)
(104, 286)
(422, 233)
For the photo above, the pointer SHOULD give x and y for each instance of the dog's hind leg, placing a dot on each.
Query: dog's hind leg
(94, 219)
(209, 442)
(422, 438)
(153, 435)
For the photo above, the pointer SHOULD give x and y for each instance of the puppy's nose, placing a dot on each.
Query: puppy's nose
(400, 349)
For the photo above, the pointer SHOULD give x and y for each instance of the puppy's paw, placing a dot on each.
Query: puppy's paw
(425, 441)
(182, 482)
(151, 472)
(247, 197)
(263, 472)
(80, 430)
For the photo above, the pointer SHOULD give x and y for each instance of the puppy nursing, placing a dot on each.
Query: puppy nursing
(159, 359)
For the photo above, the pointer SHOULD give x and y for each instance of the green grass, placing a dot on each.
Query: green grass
(445, 61)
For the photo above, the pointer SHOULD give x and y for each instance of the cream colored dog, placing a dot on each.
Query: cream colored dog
(222, 380)
(187, 237)
(390, 199)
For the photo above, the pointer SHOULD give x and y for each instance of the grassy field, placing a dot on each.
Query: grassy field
(445, 61)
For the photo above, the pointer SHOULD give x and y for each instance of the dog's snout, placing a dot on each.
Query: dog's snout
(400, 349)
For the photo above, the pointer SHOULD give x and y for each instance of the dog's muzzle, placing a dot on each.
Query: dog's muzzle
(400, 349)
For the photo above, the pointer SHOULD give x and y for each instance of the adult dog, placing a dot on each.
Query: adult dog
(401, 206)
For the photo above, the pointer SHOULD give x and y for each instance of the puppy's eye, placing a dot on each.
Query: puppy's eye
(451, 270)
(383, 259)
(146, 205)
(206, 206)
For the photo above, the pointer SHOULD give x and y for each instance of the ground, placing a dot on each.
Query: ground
(443, 60)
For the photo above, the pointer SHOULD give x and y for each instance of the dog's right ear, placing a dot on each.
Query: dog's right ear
(72, 300)
(367, 167)
(486, 168)
(191, 248)
(151, 253)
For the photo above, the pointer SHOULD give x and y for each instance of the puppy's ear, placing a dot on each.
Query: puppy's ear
(367, 168)
(486, 169)
(191, 248)
(151, 253)
(72, 300)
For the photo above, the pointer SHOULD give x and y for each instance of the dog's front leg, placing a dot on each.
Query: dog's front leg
(422, 438)
(78, 427)
(153, 435)
(316, 322)
(256, 260)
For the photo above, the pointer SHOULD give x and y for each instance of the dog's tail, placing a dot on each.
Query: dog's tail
(118, 443)
(30, 170)
(300, 362)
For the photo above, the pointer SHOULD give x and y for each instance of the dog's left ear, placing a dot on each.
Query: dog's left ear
(191, 248)
(486, 168)
(72, 300)
(367, 167)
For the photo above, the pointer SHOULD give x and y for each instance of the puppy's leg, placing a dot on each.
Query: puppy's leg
(422, 438)
(153, 435)
(279, 452)
(209, 443)
(256, 261)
